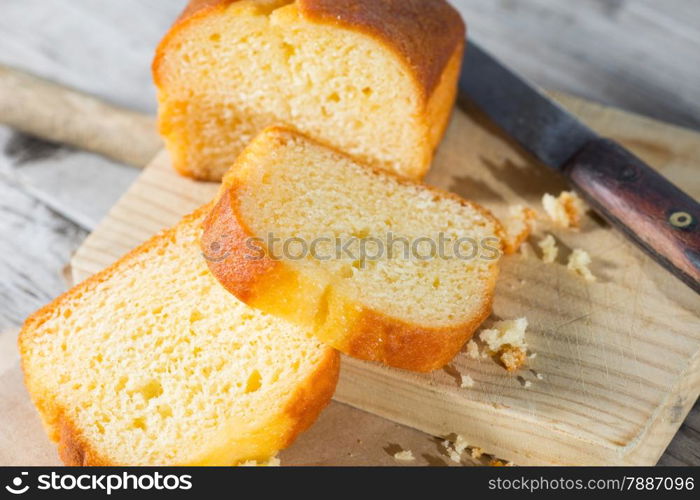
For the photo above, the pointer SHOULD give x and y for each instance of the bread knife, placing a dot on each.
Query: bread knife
(651, 211)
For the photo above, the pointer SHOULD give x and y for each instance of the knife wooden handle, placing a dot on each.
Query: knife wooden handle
(646, 206)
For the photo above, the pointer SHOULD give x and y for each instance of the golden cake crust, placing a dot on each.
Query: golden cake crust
(364, 333)
(371, 335)
(425, 34)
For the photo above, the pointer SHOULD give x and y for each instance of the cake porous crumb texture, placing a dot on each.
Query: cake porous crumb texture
(375, 78)
(152, 362)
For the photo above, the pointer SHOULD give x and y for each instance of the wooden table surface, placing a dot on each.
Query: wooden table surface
(639, 55)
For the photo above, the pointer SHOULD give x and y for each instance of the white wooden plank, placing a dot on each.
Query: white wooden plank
(640, 55)
(35, 244)
(102, 47)
(81, 186)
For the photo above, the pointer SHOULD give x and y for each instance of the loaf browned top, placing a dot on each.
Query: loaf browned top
(424, 33)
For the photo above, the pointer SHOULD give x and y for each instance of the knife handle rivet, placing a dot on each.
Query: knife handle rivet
(680, 220)
(629, 173)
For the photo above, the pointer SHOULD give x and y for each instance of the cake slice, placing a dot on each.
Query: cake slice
(152, 362)
(374, 78)
(304, 232)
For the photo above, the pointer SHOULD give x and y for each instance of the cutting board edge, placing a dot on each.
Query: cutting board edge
(644, 448)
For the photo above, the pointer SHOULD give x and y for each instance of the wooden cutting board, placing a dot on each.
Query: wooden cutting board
(618, 360)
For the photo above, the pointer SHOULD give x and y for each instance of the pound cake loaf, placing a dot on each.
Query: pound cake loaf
(380, 267)
(152, 362)
(374, 78)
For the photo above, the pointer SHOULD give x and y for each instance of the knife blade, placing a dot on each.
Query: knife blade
(655, 214)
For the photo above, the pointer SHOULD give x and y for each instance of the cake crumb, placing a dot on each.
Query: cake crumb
(532, 355)
(565, 210)
(506, 341)
(454, 456)
(404, 456)
(527, 384)
(539, 376)
(512, 357)
(466, 381)
(506, 332)
(454, 450)
(549, 248)
(460, 444)
(579, 260)
(524, 250)
(496, 462)
(272, 462)
(473, 350)
(518, 226)
(476, 453)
